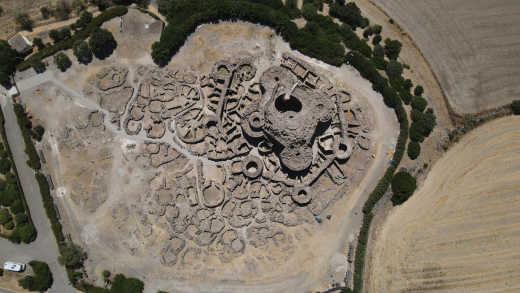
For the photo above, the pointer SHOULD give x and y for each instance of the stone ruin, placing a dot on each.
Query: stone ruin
(246, 149)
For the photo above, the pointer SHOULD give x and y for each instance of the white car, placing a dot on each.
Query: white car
(13, 266)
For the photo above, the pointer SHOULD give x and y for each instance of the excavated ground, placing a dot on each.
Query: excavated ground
(145, 202)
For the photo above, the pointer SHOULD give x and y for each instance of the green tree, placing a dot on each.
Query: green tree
(37, 65)
(39, 43)
(25, 233)
(376, 40)
(41, 280)
(82, 52)
(24, 22)
(21, 218)
(62, 61)
(8, 60)
(392, 48)
(418, 90)
(121, 284)
(38, 132)
(419, 103)
(72, 256)
(403, 186)
(5, 165)
(102, 43)
(5, 216)
(46, 13)
(515, 106)
(84, 19)
(414, 149)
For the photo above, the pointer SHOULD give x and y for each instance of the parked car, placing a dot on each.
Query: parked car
(14, 267)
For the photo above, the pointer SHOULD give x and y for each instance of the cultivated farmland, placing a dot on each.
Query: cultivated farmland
(460, 231)
(472, 46)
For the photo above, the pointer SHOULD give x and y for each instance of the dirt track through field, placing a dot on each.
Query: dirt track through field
(472, 46)
(460, 232)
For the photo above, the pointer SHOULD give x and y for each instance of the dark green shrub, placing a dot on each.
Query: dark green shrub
(377, 40)
(25, 233)
(25, 126)
(72, 256)
(414, 149)
(349, 14)
(121, 284)
(5, 216)
(84, 19)
(515, 106)
(38, 43)
(38, 132)
(106, 274)
(62, 61)
(8, 59)
(418, 90)
(5, 165)
(37, 65)
(419, 103)
(9, 225)
(40, 281)
(24, 22)
(394, 69)
(48, 203)
(46, 13)
(403, 186)
(102, 43)
(21, 218)
(17, 207)
(392, 48)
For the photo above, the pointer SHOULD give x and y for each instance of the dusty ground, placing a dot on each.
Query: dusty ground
(472, 47)
(31, 7)
(459, 232)
(9, 280)
(103, 180)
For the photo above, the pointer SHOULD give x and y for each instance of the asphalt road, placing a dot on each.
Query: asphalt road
(44, 248)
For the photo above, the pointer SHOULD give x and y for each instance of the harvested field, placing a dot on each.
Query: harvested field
(459, 232)
(472, 47)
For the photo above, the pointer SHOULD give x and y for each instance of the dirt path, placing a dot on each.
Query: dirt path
(459, 232)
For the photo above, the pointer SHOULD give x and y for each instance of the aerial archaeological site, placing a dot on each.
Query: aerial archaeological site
(259, 146)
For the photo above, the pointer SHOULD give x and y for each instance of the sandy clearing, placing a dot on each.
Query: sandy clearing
(472, 47)
(460, 232)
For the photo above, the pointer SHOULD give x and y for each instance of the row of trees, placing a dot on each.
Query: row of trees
(16, 218)
(40, 281)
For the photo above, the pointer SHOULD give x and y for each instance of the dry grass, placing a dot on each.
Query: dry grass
(460, 232)
(472, 46)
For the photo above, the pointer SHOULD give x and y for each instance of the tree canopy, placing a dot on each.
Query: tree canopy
(403, 186)
(102, 43)
(62, 61)
(8, 60)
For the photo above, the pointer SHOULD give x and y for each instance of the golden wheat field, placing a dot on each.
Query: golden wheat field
(460, 232)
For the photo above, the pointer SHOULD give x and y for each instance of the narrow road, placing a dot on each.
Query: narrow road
(45, 247)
